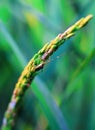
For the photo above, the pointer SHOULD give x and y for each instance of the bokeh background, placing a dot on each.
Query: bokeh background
(62, 96)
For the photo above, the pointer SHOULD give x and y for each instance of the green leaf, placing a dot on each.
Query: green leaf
(49, 106)
(74, 79)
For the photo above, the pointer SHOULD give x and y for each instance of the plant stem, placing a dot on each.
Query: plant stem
(31, 70)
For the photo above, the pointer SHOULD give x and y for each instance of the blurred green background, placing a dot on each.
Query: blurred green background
(62, 96)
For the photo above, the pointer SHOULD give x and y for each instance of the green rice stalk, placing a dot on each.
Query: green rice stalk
(36, 64)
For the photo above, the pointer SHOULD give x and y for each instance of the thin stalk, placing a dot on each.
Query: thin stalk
(36, 64)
